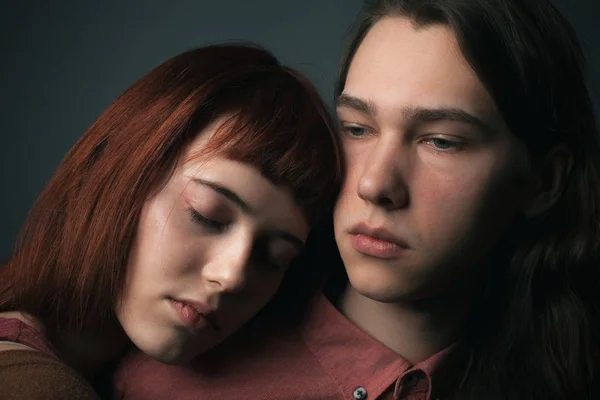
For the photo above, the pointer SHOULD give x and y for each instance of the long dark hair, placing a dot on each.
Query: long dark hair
(535, 333)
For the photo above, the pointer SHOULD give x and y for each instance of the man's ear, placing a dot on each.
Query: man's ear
(549, 180)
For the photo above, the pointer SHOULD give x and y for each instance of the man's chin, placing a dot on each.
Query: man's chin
(384, 284)
(383, 292)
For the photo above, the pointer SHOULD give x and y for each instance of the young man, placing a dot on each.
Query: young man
(467, 225)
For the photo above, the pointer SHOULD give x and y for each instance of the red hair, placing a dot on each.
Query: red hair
(68, 268)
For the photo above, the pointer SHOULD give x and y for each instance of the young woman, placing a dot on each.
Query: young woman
(170, 223)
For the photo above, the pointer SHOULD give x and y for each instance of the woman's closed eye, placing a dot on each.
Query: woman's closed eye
(207, 222)
(273, 257)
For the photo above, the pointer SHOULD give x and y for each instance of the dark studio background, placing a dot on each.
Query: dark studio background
(63, 62)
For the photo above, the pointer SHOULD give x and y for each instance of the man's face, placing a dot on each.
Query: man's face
(434, 177)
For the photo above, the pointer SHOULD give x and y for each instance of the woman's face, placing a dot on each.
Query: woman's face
(211, 249)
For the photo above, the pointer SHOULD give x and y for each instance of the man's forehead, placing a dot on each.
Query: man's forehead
(401, 33)
(400, 67)
(393, 48)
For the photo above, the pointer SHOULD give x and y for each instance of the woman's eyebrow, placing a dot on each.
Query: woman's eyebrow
(227, 193)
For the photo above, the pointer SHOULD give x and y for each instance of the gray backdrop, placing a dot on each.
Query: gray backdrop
(63, 62)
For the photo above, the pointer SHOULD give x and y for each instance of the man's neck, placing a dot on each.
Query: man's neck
(415, 330)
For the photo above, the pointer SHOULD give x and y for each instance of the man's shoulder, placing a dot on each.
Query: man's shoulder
(270, 362)
(273, 363)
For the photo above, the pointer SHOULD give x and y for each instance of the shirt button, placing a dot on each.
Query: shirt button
(360, 393)
(411, 380)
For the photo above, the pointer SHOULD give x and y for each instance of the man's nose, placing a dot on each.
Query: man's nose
(381, 181)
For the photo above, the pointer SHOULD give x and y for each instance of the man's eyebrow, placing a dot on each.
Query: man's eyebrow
(225, 192)
(422, 114)
(356, 103)
(419, 114)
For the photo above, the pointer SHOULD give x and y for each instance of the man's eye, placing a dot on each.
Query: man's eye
(354, 130)
(444, 144)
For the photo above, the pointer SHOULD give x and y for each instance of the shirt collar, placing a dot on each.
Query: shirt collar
(352, 358)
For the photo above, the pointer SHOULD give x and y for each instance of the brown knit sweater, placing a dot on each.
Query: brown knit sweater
(36, 374)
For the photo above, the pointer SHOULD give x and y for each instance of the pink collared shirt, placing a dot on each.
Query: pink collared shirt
(328, 357)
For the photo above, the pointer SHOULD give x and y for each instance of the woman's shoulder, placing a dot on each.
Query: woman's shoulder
(31, 374)
(18, 330)
(29, 366)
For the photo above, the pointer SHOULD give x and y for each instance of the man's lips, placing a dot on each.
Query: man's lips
(377, 242)
(378, 233)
